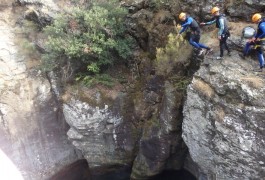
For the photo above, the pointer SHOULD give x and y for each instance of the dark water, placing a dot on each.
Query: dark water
(76, 171)
(122, 173)
(80, 171)
(174, 175)
(166, 175)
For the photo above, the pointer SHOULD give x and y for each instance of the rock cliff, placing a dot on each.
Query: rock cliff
(32, 126)
(224, 123)
(140, 124)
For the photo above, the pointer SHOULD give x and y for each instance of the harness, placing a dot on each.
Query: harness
(258, 32)
(259, 45)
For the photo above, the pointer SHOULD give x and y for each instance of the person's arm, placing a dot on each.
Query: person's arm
(185, 25)
(209, 22)
(261, 35)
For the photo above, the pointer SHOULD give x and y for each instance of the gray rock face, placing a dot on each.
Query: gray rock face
(224, 120)
(112, 135)
(148, 38)
(41, 12)
(247, 8)
(223, 126)
(102, 136)
(32, 128)
(46, 3)
(161, 145)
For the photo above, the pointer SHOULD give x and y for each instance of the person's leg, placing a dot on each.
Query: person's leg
(222, 47)
(261, 57)
(193, 42)
(247, 48)
(194, 39)
(197, 40)
(226, 45)
(221, 44)
(203, 46)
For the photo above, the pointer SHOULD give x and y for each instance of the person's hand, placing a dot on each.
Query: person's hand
(219, 37)
(257, 39)
(178, 26)
(252, 39)
(178, 35)
(202, 24)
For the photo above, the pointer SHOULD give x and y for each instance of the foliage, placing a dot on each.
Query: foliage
(159, 3)
(28, 27)
(25, 33)
(90, 81)
(180, 82)
(168, 57)
(95, 37)
(26, 48)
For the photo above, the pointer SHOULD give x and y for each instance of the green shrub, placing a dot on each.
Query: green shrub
(173, 53)
(180, 82)
(24, 42)
(159, 3)
(95, 37)
(91, 81)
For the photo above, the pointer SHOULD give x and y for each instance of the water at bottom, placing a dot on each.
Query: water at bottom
(166, 175)
(80, 171)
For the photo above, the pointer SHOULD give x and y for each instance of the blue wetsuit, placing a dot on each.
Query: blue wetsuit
(195, 32)
(260, 34)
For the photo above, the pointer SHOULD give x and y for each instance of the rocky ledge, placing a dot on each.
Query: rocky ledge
(224, 125)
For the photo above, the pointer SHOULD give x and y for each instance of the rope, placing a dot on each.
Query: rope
(259, 45)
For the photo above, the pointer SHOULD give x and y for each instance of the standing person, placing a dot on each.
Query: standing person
(257, 40)
(189, 22)
(223, 33)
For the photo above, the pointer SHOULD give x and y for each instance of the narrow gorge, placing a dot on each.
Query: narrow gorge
(169, 115)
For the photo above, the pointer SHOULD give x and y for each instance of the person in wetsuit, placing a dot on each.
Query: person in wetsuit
(223, 33)
(194, 39)
(257, 40)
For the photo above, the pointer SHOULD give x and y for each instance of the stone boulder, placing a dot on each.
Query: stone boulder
(103, 136)
(39, 12)
(224, 126)
(245, 9)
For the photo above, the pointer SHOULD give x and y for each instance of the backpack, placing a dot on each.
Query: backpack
(248, 32)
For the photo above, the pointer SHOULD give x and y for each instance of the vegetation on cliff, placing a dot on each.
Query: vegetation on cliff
(93, 37)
